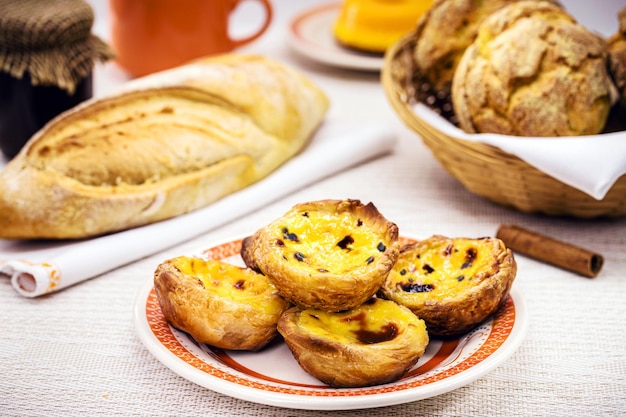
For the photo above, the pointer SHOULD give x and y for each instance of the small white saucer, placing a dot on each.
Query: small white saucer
(312, 36)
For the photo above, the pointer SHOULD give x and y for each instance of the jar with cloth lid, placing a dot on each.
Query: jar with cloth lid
(47, 55)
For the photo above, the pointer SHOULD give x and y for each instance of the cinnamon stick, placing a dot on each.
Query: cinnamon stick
(552, 251)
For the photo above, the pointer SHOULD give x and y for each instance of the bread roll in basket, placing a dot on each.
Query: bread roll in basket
(483, 169)
(166, 144)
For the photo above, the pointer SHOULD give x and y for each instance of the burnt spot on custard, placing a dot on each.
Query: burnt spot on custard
(428, 269)
(322, 270)
(381, 247)
(415, 287)
(240, 285)
(299, 256)
(287, 235)
(359, 223)
(280, 243)
(369, 260)
(345, 242)
(387, 332)
(470, 257)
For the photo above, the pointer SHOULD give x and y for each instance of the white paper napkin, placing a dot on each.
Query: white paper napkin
(589, 164)
(37, 268)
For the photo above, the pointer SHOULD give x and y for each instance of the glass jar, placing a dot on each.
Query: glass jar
(25, 108)
(47, 55)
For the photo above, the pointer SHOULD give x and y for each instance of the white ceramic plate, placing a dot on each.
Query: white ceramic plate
(311, 34)
(273, 377)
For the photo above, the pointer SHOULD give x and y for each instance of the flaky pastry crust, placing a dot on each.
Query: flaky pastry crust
(219, 304)
(372, 344)
(330, 254)
(453, 284)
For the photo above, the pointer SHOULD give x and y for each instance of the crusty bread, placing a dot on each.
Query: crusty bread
(533, 70)
(443, 34)
(617, 56)
(166, 144)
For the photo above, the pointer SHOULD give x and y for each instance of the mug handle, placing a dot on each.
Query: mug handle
(268, 19)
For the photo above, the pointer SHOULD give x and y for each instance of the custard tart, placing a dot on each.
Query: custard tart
(375, 343)
(330, 255)
(453, 284)
(217, 303)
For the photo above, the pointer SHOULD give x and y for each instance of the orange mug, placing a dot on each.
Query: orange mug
(153, 35)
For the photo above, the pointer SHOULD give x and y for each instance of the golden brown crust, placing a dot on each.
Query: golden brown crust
(194, 301)
(443, 34)
(167, 144)
(453, 284)
(617, 56)
(380, 348)
(247, 254)
(329, 254)
(533, 71)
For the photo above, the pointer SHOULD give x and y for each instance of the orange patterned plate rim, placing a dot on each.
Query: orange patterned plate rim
(273, 377)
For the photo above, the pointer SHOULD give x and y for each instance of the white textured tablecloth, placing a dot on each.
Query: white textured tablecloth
(76, 353)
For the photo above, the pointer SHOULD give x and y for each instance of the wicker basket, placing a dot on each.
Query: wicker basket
(486, 170)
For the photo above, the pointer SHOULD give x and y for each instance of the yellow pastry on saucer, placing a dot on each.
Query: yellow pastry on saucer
(375, 25)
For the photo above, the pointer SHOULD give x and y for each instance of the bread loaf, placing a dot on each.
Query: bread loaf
(166, 144)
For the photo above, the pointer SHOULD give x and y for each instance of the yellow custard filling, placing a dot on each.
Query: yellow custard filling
(442, 269)
(376, 321)
(324, 242)
(231, 282)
